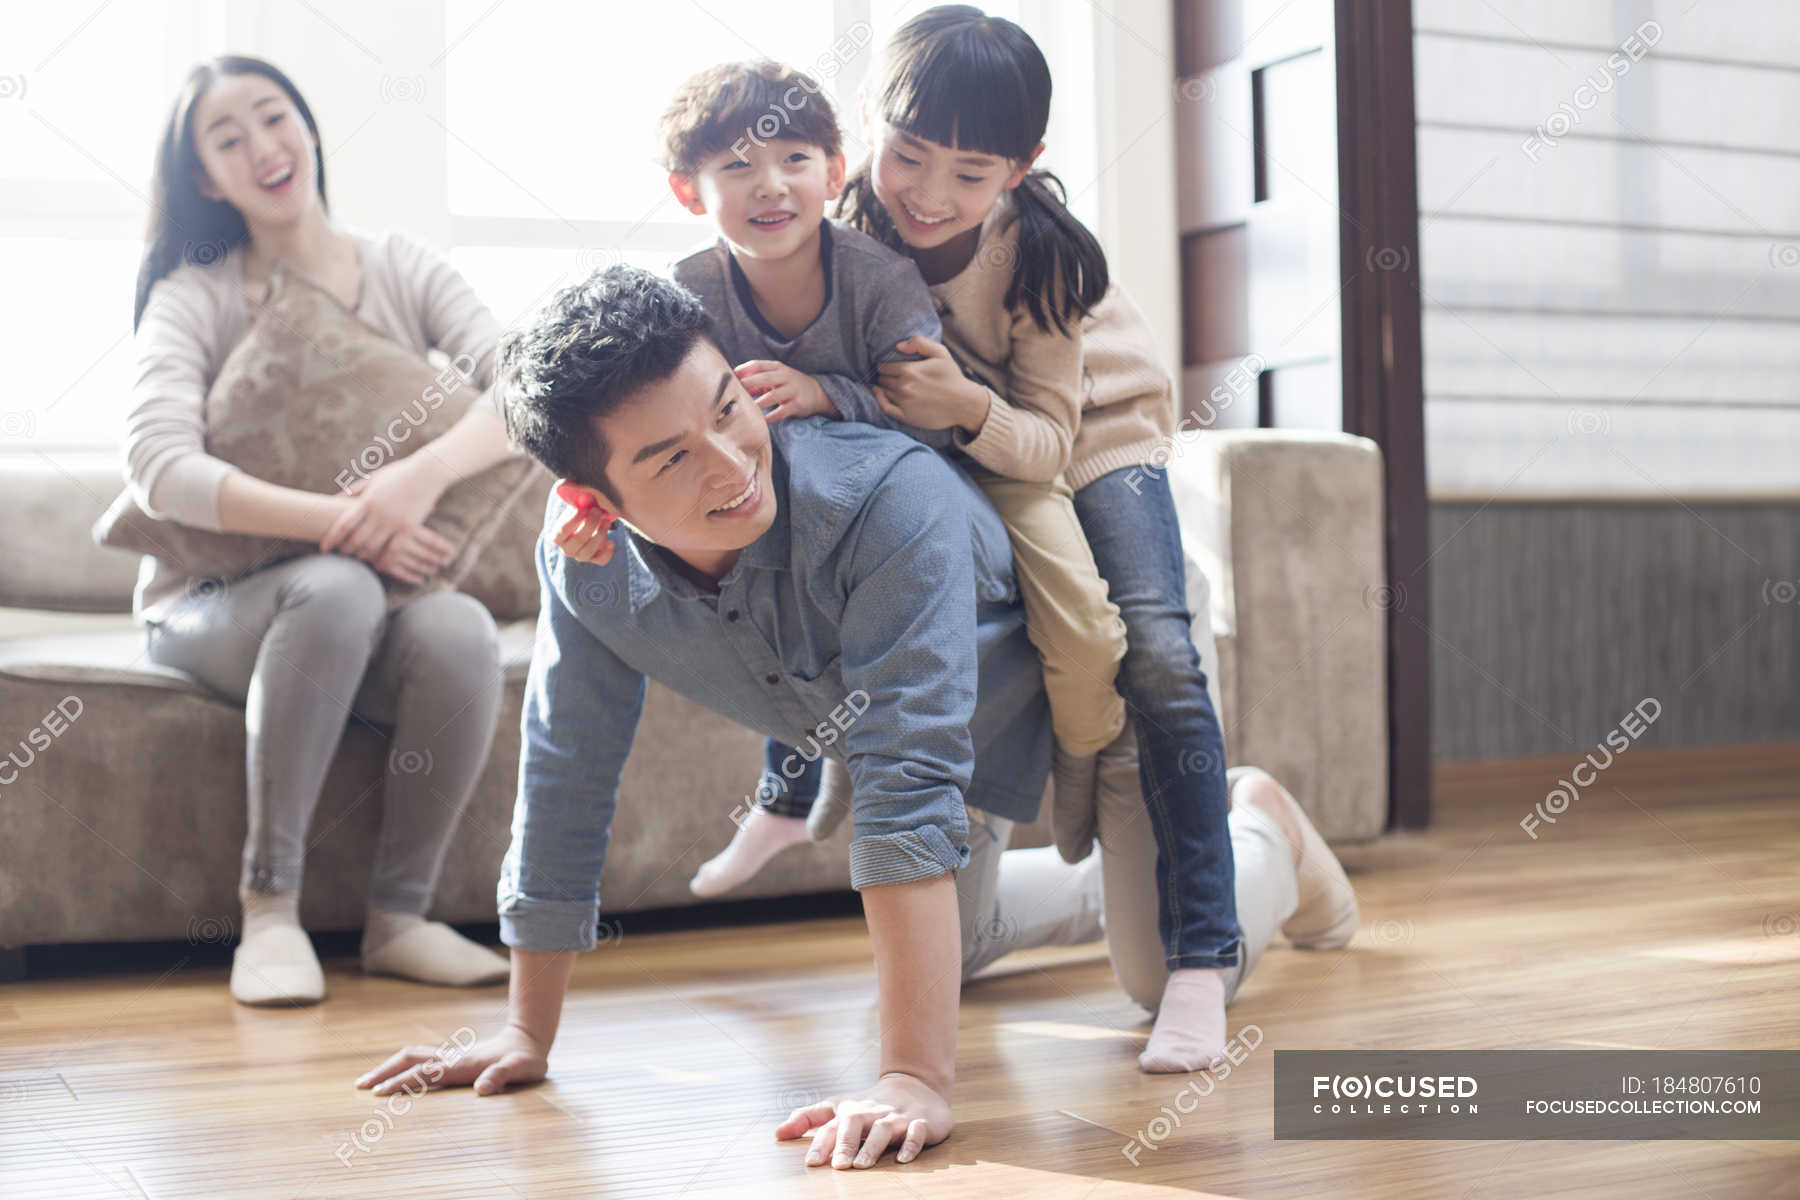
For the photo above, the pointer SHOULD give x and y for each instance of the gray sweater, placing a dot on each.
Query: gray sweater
(874, 299)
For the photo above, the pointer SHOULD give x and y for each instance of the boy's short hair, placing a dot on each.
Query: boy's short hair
(740, 104)
(583, 354)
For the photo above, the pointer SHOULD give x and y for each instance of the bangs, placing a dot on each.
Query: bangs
(965, 92)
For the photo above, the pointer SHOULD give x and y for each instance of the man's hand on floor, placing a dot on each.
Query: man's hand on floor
(855, 1130)
(510, 1056)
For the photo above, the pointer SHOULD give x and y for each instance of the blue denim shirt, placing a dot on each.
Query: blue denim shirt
(878, 614)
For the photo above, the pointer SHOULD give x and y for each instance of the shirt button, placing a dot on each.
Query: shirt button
(772, 677)
(731, 614)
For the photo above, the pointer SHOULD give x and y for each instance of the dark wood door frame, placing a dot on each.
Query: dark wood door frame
(1382, 354)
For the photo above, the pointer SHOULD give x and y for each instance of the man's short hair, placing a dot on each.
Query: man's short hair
(740, 104)
(585, 353)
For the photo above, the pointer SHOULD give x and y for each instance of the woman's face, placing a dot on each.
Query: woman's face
(257, 152)
(935, 193)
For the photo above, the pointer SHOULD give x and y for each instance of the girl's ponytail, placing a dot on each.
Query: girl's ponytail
(1061, 271)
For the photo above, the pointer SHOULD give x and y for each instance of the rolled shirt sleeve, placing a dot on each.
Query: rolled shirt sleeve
(908, 643)
(582, 706)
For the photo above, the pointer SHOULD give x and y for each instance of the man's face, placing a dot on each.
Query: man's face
(768, 200)
(688, 463)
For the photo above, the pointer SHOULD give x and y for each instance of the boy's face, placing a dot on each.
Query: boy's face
(768, 201)
(688, 463)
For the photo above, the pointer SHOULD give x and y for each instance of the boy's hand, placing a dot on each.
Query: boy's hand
(782, 392)
(510, 1056)
(899, 1112)
(583, 536)
(930, 392)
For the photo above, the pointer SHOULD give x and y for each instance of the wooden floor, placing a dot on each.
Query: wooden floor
(1660, 911)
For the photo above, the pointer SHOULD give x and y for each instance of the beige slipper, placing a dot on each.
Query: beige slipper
(277, 968)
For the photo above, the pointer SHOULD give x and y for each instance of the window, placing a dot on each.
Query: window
(73, 193)
(519, 137)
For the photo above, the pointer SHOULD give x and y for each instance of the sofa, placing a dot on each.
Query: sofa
(122, 782)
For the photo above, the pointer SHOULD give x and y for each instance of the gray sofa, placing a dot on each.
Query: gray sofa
(123, 800)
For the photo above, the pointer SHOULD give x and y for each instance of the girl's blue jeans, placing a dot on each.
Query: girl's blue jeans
(1129, 518)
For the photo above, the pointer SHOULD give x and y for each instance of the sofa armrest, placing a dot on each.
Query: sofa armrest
(1288, 528)
(48, 559)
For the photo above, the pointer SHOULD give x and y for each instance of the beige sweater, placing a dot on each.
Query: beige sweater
(195, 316)
(1085, 404)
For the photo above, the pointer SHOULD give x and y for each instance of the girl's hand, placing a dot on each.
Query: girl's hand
(899, 1112)
(782, 392)
(510, 1056)
(414, 555)
(583, 536)
(394, 497)
(931, 392)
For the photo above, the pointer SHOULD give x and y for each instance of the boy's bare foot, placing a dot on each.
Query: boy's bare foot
(761, 837)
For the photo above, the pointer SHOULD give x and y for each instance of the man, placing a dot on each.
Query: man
(814, 577)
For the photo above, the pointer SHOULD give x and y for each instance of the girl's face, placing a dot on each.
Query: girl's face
(256, 150)
(933, 192)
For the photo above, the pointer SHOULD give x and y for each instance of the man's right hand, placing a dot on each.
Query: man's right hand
(510, 1056)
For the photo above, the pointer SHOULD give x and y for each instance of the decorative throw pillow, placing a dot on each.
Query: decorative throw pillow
(313, 398)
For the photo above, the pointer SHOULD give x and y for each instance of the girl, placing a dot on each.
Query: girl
(307, 643)
(955, 118)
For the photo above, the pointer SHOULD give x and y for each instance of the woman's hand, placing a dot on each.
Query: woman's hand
(583, 536)
(394, 497)
(414, 555)
(510, 1056)
(854, 1131)
(930, 392)
(782, 392)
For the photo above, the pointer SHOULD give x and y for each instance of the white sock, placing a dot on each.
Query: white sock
(1190, 1023)
(274, 963)
(761, 837)
(410, 947)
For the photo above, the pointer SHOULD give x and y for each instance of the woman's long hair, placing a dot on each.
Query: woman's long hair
(185, 226)
(958, 77)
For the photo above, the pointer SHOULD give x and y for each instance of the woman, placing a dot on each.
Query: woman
(308, 643)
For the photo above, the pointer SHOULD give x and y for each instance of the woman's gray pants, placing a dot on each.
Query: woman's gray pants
(307, 645)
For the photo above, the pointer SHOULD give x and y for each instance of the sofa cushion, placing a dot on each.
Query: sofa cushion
(313, 398)
(118, 657)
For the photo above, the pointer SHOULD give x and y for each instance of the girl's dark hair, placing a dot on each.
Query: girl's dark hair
(185, 226)
(956, 76)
